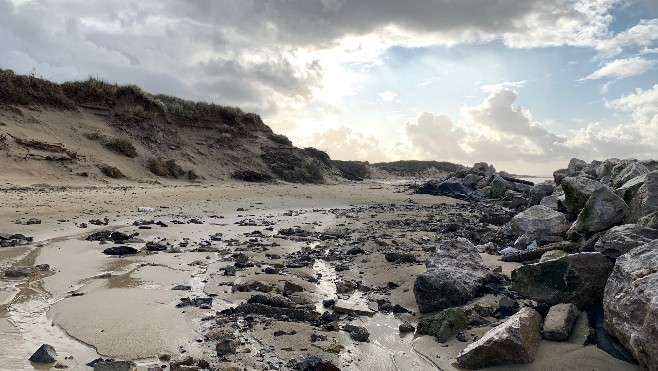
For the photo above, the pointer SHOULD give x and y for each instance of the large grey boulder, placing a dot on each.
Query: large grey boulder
(576, 165)
(650, 220)
(559, 322)
(603, 210)
(444, 325)
(576, 278)
(621, 239)
(115, 366)
(538, 192)
(539, 221)
(631, 303)
(471, 180)
(631, 171)
(498, 187)
(455, 272)
(513, 342)
(577, 191)
(629, 189)
(645, 201)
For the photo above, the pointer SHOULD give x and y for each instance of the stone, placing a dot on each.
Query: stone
(632, 170)
(539, 221)
(115, 366)
(630, 305)
(621, 239)
(226, 346)
(350, 307)
(629, 189)
(602, 210)
(538, 192)
(455, 272)
(513, 342)
(120, 250)
(560, 174)
(292, 287)
(33, 221)
(575, 278)
(577, 191)
(471, 180)
(650, 220)
(559, 322)
(400, 257)
(498, 187)
(45, 354)
(645, 201)
(552, 255)
(406, 327)
(582, 332)
(357, 333)
(549, 201)
(443, 326)
(576, 165)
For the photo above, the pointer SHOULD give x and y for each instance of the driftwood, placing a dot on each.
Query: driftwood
(517, 180)
(46, 147)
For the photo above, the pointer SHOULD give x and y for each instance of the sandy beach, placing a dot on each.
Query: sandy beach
(91, 305)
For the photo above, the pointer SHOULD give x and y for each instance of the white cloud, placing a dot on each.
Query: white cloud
(387, 96)
(622, 68)
(503, 85)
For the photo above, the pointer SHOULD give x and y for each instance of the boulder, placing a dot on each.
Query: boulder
(498, 187)
(629, 189)
(603, 210)
(559, 322)
(45, 354)
(582, 332)
(630, 305)
(560, 174)
(451, 188)
(539, 221)
(650, 220)
(357, 333)
(552, 255)
(350, 307)
(455, 272)
(621, 239)
(513, 342)
(577, 191)
(445, 325)
(576, 278)
(645, 201)
(471, 180)
(539, 192)
(549, 201)
(632, 170)
(120, 250)
(576, 165)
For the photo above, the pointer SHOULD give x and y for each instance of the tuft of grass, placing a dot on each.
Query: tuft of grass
(111, 171)
(94, 136)
(165, 168)
(31, 90)
(251, 176)
(280, 139)
(352, 170)
(193, 176)
(319, 155)
(92, 90)
(135, 115)
(122, 146)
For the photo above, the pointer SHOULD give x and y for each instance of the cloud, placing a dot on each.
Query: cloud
(343, 143)
(622, 68)
(503, 85)
(387, 96)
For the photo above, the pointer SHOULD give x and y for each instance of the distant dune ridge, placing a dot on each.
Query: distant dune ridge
(95, 130)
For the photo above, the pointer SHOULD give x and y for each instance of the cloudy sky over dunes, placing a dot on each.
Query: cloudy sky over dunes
(525, 84)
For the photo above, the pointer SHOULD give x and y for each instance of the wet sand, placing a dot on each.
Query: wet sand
(123, 307)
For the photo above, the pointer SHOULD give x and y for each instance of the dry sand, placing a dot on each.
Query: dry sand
(131, 313)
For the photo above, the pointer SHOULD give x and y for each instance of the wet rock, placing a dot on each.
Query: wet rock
(406, 327)
(630, 305)
(153, 246)
(357, 333)
(277, 307)
(115, 366)
(450, 188)
(645, 201)
(602, 210)
(226, 346)
(114, 236)
(45, 354)
(311, 363)
(350, 307)
(582, 332)
(513, 342)
(455, 272)
(622, 239)
(229, 270)
(576, 278)
(33, 221)
(443, 326)
(291, 287)
(120, 250)
(559, 322)
(328, 303)
(393, 257)
(182, 287)
(355, 251)
(577, 191)
(204, 303)
(539, 221)
(496, 216)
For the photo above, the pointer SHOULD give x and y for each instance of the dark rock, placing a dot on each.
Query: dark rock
(445, 325)
(45, 354)
(357, 333)
(153, 246)
(182, 287)
(393, 257)
(455, 272)
(120, 250)
(577, 191)
(624, 238)
(645, 201)
(576, 278)
(406, 327)
(602, 210)
(538, 192)
(115, 366)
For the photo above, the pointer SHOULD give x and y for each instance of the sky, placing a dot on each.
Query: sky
(522, 84)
